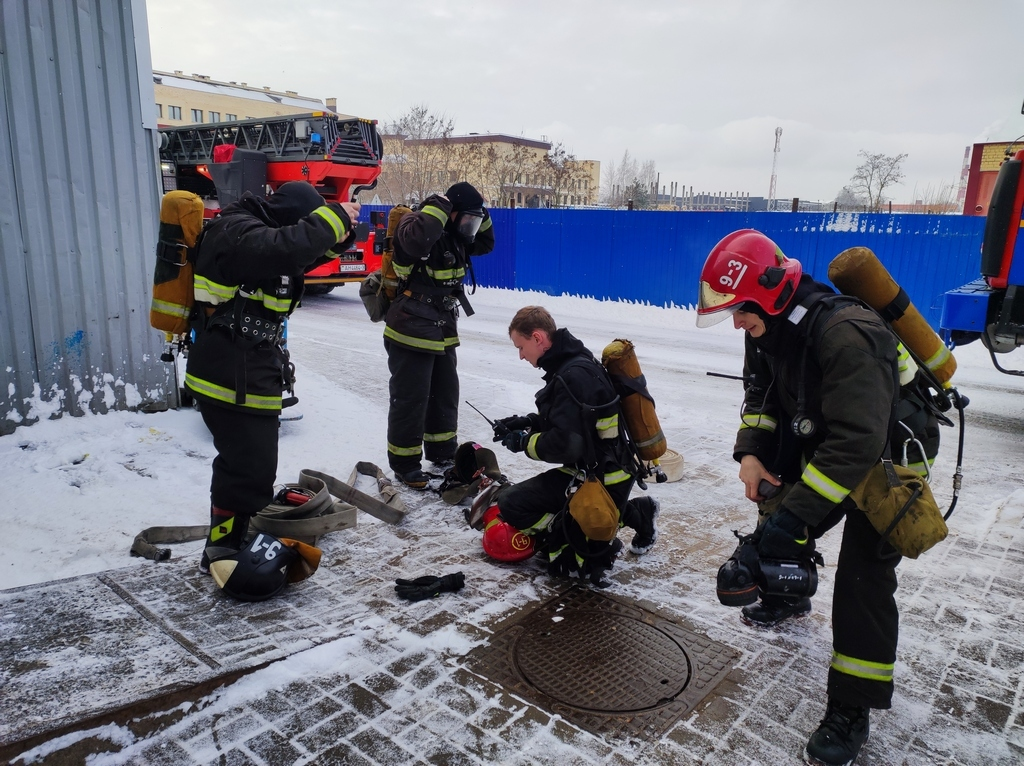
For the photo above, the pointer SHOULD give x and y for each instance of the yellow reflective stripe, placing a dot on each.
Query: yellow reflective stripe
(904, 356)
(919, 466)
(765, 422)
(272, 302)
(443, 274)
(938, 358)
(222, 394)
(408, 340)
(402, 271)
(334, 220)
(541, 524)
(222, 530)
(446, 436)
(170, 309)
(485, 225)
(405, 451)
(873, 671)
(208, 291)
(653, 440)
(608, 428)
(437, 213)
(452, 341)
(615, 477)
(531, 446)
(823, 485)
(555, 554)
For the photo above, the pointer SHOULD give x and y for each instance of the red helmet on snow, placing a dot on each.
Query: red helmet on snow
(745, 266)
(502, 541)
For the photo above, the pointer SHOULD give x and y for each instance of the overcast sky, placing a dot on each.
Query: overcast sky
(697, 86)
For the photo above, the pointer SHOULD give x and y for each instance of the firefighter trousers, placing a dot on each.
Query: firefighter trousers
(531, 505)
(245, 467)
(423, 413)
(865, 618)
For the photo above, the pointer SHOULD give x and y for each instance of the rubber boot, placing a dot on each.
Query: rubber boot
(415, 478)
(226, 536)
(641, 515)
(771, 610)
(839, 737)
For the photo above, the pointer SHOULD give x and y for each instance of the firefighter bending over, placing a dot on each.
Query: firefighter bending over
(432, 250)
(820, 385)
(248, 279)
(576, 425)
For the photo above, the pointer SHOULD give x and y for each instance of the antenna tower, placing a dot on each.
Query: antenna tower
(775, 162)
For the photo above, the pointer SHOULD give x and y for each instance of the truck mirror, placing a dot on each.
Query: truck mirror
(377, 219)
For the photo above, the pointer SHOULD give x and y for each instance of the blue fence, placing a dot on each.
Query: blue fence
(656, 257)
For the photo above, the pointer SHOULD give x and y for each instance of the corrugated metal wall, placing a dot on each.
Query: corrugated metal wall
(656, 257)
(79, 202)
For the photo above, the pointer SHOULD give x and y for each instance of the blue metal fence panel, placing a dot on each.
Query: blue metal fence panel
(656, 257)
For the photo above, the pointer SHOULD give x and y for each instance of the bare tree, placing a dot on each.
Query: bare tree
(419, 155)
(847, 201)
(503, 171)
(562, 174)
(876, 174)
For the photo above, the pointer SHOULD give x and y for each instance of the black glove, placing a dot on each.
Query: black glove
(512, 423)
(436, 200)
(784, 536)
(515, 440)
(429, 586)
(563, 564)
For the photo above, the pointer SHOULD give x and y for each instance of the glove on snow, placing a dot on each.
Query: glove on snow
(429, 586)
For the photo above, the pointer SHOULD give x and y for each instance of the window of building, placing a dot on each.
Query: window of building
(159, 110)
(214, 116)
(197, 115)
(174, 112)
(230, 117)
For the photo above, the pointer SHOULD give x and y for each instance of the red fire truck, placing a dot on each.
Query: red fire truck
(339, 155)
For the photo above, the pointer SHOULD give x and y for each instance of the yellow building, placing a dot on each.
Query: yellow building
(510, 171)
(192, 99)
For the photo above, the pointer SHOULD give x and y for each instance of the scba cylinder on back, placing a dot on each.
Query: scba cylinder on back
(619, 358)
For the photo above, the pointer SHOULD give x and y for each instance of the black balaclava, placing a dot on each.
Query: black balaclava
(292, 202)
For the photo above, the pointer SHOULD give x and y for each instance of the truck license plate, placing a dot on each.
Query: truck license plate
(351, 267)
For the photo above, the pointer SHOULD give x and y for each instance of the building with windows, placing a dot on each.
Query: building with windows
(192, 99)
(510, 171)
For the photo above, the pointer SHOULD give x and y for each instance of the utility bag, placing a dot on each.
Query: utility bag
(900, 506)
(594, 510)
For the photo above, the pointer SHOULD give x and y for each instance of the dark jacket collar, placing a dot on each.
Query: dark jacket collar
(564, 347)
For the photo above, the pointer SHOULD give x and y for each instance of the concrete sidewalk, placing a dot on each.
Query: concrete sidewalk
(339, 670)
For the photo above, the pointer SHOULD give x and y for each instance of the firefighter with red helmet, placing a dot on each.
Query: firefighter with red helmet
(576, 425)
(820, 386)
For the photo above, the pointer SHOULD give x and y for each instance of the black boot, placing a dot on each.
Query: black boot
(415, 478)
(839, 737)
(641, 515)
(226, 536)
(771, 610)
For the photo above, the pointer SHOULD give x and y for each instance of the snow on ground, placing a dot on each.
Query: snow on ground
(75, 491)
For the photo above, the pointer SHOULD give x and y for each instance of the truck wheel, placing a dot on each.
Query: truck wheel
(318, 289)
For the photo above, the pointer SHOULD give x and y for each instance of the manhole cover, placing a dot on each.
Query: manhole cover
(604, 664)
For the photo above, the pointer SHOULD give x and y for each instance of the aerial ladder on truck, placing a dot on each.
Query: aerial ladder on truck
(338, 154)
(992, 307)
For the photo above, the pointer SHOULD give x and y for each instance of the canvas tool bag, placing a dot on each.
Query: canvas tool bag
(594, 510)
(900, 506)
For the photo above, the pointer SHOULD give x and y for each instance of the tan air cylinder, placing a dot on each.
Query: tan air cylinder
(620, 360)
(859, 273)
(181, 220)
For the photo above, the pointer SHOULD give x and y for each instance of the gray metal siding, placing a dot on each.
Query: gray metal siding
(79, 202)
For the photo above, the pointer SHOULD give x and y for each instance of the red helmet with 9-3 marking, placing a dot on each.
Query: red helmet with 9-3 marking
(745, 266)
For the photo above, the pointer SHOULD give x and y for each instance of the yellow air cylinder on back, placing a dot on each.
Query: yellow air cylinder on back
(858, 272)
(619, 358)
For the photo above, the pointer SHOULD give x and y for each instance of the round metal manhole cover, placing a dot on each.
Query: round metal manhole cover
(602, 661)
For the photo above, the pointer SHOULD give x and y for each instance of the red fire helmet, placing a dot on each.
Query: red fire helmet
(745, 266)
(502, 541)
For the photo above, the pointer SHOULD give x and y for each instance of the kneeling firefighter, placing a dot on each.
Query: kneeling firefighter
(248, 279)
(577, 426)
(824, 377)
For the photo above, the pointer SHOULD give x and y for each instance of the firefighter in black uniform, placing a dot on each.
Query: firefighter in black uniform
(570, 427)
(248, 279)
(432, 250)
(820, 388)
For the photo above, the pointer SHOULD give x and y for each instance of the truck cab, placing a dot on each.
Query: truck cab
(992, 307)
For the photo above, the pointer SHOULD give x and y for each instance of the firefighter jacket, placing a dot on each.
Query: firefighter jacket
(248, 279)
(432, 263)
(577, 418)
(848, 368)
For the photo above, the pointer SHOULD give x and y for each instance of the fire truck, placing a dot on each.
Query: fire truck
(991, 308)
(339, 155)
